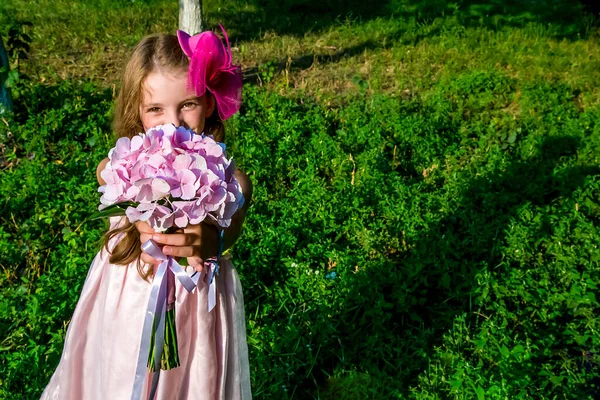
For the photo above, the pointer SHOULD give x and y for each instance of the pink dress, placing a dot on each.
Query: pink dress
(103, 339)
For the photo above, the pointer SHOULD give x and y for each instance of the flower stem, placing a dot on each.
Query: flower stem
(170, 355)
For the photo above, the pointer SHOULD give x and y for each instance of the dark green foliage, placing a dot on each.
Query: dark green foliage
(435, 243)
(379, 227)
(49, 152)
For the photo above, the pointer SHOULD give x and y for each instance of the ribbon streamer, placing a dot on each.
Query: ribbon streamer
(214, 270)
(212, 284)
(157, 305)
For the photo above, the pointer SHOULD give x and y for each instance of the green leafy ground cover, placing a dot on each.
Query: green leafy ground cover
(427, 191)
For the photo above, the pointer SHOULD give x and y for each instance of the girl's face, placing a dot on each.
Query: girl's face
(165, 100)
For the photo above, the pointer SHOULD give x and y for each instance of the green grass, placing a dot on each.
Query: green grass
(426, 213)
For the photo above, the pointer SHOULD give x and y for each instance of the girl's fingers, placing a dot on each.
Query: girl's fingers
(149, 260)
(196, 262)
(143, 227)
(177, 239)
(184, 244)
(144, 237)
(182, 251)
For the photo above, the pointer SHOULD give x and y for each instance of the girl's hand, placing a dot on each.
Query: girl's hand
(195, 242)
(146, 233)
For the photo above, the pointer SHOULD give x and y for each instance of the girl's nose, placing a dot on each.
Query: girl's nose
(175, 118)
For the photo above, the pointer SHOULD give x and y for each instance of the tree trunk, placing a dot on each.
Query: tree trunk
(5, 101)
(190, 16)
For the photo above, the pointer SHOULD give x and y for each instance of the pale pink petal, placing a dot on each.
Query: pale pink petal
(147, 215)
(113, 192)
(188, 191)
(132, 214)
(167, 146)
(198, 162)
(110, 176)
(162, 219)
(214, 150)
(160, 188)
(168, 130)
(146, 206)
(156, 161)
(145, 194)
(123, 145)
(136, 143)
(208, 178)
(197, 214)
(182, 161)
(147, 172)
(132, 192)
(180, 218)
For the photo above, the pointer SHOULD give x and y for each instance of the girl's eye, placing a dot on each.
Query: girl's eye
(153, 110)
(189, 104)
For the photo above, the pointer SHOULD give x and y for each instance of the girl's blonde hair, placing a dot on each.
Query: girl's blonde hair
(153, 53)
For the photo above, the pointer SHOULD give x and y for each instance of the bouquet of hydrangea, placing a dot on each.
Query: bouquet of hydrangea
(169, 177)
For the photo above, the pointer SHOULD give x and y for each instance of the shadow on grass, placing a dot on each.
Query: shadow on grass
(568, 18)
(440, 272)
(565, 19)
(297, 17)
(252, 75)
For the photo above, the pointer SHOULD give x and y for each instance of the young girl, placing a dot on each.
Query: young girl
(190, 82)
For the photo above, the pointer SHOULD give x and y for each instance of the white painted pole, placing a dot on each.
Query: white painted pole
(190, 16)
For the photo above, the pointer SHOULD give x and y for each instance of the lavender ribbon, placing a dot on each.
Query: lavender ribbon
(157, 305)
(214, 270)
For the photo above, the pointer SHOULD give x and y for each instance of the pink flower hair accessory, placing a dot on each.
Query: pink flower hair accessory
(211, 69)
